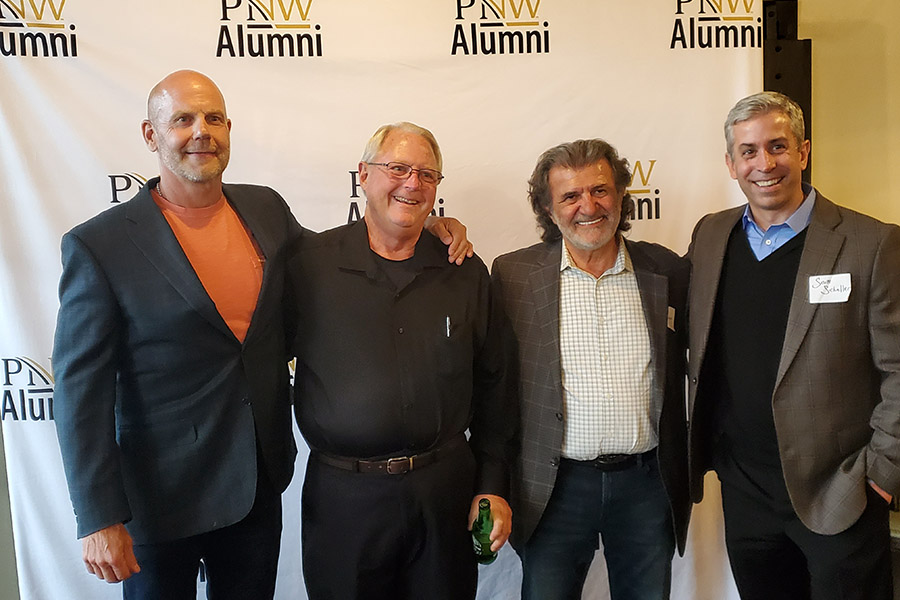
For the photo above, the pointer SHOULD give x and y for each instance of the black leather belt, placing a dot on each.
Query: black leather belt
(390, 466)
(616, 462)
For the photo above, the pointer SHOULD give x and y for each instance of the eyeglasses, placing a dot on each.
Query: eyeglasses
(399, 170)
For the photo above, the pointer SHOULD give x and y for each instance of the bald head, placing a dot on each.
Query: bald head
(180, 82)
(187, 126)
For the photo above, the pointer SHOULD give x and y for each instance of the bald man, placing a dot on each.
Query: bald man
(170, 360)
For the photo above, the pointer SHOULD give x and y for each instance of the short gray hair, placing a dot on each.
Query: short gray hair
(761, 104)
(373, 146)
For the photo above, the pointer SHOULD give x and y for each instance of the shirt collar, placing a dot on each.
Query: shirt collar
(623, 260)
(356, 255)
(797, 221)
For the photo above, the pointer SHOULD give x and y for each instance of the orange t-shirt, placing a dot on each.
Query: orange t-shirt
(224, 256)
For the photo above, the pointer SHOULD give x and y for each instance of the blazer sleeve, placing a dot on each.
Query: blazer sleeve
(88, 334)
(883, 452)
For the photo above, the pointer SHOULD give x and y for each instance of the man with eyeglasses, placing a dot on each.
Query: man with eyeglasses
(398, 354)
(170, 358)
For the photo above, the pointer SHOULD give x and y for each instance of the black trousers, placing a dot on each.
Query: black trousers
(374, 536)
(774, 556)
(241, 560)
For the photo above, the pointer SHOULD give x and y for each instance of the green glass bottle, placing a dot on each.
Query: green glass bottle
(481, 533)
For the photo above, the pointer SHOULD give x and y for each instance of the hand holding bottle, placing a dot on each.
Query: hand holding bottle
(500, 516)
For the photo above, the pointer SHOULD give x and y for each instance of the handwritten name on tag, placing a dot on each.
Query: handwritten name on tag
(824, 289)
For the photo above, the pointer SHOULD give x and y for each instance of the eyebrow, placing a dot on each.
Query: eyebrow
(752, 144)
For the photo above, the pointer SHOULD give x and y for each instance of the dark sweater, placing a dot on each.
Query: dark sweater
(741, 364)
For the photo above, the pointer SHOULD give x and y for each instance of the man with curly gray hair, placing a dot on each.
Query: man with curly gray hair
(599, 324)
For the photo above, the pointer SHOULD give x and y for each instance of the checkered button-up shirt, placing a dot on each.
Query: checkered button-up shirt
(605, 355)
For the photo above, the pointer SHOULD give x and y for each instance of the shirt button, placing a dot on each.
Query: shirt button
(559, 416)
(400, 330)
(768, 242)
(246, 401)
(554, 462)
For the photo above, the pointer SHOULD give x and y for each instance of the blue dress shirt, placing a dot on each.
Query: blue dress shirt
(764, 243)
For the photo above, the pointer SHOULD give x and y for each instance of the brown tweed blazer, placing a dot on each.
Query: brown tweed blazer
(836, 401)
(527, 284)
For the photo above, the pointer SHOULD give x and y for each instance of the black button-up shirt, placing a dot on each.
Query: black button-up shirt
(386, 370)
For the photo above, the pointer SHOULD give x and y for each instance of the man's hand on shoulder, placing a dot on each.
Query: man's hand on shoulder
(501, 513)
(108, 554)
(453, 233)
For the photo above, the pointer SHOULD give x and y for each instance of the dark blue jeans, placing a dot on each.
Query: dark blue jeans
(241, 559)
(627, 509)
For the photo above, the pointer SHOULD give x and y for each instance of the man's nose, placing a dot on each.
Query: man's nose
(765, 161)
(409, 180)
(201, 129)
(587, 203)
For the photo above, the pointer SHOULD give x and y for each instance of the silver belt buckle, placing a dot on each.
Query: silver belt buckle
(399, 465)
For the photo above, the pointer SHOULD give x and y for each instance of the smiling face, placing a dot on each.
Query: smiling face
(396, 208)
(586, 206)
(188, 127)
(767, 162)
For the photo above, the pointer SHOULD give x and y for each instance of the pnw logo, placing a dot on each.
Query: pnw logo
(268, 29)
(645, 195)
(125, 185)
(499, 27)
(716, 24)
(27, 391)
(36, 28)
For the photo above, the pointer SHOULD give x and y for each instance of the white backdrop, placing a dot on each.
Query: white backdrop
(653, 77)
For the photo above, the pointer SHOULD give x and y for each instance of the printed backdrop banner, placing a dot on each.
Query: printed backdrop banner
(307, 82)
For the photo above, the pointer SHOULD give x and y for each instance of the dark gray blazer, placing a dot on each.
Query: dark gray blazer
(527, 284)
(836, 401)
(158, 407)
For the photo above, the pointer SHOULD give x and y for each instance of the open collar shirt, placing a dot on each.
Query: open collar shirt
(764, 243)
(605, 357)
(392, 366)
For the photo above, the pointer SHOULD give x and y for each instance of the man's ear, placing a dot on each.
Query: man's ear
(149, 135)
(730, 164)
(804, 154)
(363, 169)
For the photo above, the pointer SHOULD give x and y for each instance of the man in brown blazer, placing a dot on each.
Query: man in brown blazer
(794, 392)
(599, 324)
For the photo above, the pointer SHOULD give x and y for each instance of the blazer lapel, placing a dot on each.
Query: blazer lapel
(148, 229)
(653, 288)
(248, 209)
(544, 284)
(820, 252)
(707, 256)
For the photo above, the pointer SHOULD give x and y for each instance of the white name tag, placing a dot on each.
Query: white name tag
(824, 289)
(670, 318)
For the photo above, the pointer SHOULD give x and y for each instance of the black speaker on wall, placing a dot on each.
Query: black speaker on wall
(787, 61)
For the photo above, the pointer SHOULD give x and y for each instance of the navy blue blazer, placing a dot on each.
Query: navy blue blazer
(159, 408)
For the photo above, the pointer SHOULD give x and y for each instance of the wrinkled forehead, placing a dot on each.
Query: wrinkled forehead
(407, 147)
(596, 173)
(185, 93)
